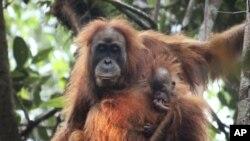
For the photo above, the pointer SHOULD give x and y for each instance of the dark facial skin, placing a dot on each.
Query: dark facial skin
(162, 88)
(108, 57)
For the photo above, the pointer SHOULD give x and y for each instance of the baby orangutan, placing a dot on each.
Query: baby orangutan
(183, 112)
(162, 89)
(104, 101)
(177, 114)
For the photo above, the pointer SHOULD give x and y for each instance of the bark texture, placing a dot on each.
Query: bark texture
(243, 116)
(8, 124)
(210, 14)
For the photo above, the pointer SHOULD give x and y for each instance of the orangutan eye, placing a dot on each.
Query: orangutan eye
(115, 48)
(101, 48)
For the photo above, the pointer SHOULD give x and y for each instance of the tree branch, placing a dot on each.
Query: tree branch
(157, 10)
(221, 125)
(228, 12)
(171, 4)
(149, 8)
(26, 115)
(25, 133)
(137, 14)
(210, 15)
(8, 123)
(243, 116)
(188, 15)
(58, 121)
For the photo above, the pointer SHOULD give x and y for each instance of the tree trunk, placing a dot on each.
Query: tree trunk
(8, 124)
(189, 13)
(210, 14)
(243, 116)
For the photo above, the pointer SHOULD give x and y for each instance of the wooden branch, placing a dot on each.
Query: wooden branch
(188, 15)
(58, 121)
(33, 124)
(8, 123)
(132, 16)
(243, 116)
(171, 4)
(157, 10)
(221, 125)
(136, 12)
(228, 12)
(26, 114)
(68, 13)
(210, 15)
(142, 4)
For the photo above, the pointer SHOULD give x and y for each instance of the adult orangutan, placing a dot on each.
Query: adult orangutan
(111, 93)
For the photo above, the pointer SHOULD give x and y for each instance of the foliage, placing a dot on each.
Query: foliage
(40, 58)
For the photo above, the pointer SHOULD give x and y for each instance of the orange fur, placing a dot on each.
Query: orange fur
(185, 120)
(121, 115)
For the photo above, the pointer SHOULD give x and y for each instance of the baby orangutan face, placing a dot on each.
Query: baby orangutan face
(162, 88)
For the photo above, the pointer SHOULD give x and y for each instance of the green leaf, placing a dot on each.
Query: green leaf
(26, 1)
(24, 94)
(20, 51)
(42, 55)
(27, 103)
(43, 133)
(44, 3)
(44, 79)
(57, 102)
(37, 97)
(222, 98)
(31, 80)
(19, 74)
(18, 117)
(152, 2)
